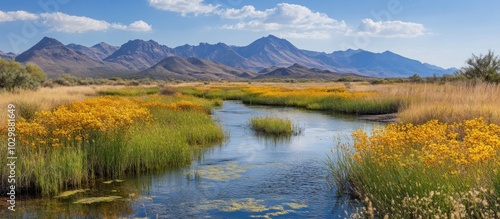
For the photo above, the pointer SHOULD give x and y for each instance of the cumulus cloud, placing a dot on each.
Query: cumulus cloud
(290, 20)
(392, 29)
(61, 22)
(184, 7)
(247, 11)
(16, 16)
(140, 26)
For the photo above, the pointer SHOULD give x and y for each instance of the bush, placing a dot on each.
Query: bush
(482, 67)
(13, 75)
(168, 91)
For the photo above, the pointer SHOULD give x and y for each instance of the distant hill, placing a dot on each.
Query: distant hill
(9, 55)
(56, 59)
(139, 54)
(219, 52)
(386, 64)
(297, 71)
(97, 52)
(264, 55)
(180, 68)
(272, 51)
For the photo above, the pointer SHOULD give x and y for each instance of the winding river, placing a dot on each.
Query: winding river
(248, 176)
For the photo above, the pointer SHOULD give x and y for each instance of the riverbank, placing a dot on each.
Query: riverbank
(107, 137)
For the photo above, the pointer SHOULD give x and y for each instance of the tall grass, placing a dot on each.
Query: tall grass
(451, 102)
(274, 126)
(130, 91)
(46, 98)
(52, 158)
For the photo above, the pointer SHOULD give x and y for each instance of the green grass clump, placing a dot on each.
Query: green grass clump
(170, 140)
(274, 126)
(26, 109)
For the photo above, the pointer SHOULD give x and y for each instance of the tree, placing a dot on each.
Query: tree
(36, 72)
(13, 75)
(415, 78)
(483, 67)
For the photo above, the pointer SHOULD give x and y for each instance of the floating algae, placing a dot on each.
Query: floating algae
(253, 206)
(249, 204)
(97, 199)
(228, 172)
(296, 205)
(70, 193)
(225, 172)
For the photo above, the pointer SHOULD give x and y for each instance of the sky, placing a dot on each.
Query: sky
(443, 33)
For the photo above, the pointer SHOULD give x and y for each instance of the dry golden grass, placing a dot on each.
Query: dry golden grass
(447, 103)
(47, 98)
(264, 84)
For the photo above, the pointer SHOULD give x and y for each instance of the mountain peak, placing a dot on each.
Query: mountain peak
(102, 45)
(272, 38)
(47, 42)
(297, 65)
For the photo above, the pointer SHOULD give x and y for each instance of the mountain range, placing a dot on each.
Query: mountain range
(267, 57)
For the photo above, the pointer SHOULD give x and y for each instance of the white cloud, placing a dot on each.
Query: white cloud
(61, 22)
(16, 16)
(184, 7)
(247, 11)
(291, 20)
(390, 29)
(140, 26)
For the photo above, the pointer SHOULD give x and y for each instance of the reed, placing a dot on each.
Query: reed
(274, 126)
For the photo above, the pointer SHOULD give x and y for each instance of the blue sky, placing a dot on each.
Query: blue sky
(444, 32)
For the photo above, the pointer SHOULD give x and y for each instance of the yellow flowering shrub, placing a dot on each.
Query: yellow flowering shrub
(187, 106)
(339, 92)
(455, 146)
(75, 121)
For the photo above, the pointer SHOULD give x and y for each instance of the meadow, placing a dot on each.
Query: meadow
(90, 136)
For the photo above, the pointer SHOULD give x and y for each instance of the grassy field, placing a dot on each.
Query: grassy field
(89, 137)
